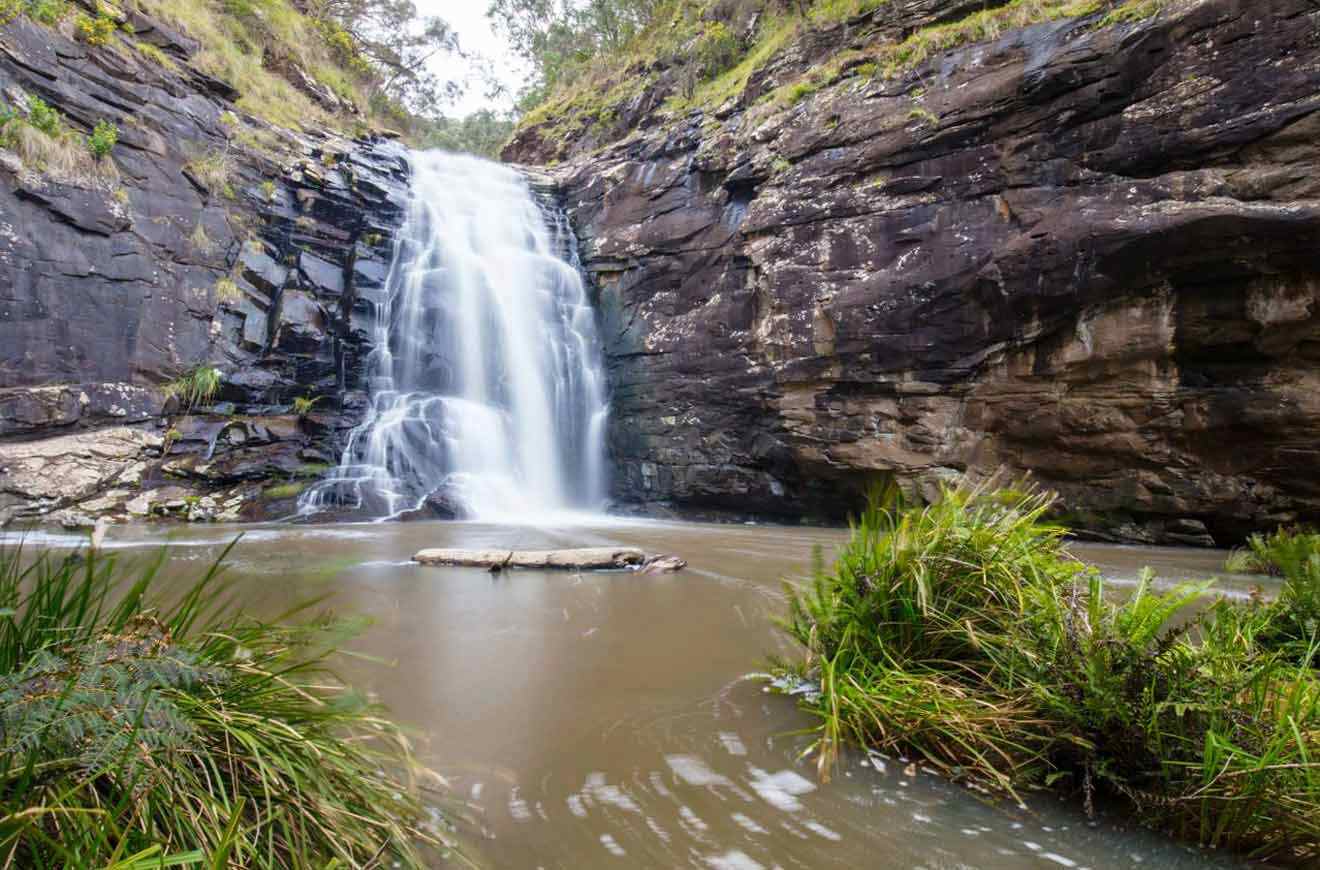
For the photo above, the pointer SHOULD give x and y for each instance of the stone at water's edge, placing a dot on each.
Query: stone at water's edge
(590, 557)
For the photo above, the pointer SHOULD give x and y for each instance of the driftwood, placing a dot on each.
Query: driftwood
(498, 560)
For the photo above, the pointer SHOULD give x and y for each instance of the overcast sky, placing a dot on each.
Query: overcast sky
(468, 18)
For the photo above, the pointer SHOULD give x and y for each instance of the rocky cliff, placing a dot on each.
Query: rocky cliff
(1084, 246)
(208, 243)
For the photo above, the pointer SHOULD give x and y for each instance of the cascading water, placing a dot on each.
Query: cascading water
(487, 393)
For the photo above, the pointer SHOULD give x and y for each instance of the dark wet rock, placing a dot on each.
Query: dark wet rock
(1083, 252)
(108, 289)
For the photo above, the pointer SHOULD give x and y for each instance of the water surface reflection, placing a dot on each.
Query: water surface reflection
(598, 720)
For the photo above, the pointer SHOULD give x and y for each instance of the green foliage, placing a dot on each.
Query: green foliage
(214, 171)
(268, 190)
(831, 11)
(365, 51)
(717, 49)
(559, 41)
(94, 31)
(142, 729)
(799, 91)
(44, 117)
(47, 12)
(103, 139)
(1284, 553)
(1132, 11)
(1293, 625)
(923, 115)
(712, 48)
(482, 133)
(155, 55)
(302, 405)
(198, 387)
(283, 491)
(981, 26)
(964, 633)
(9, 122)
(227, 291)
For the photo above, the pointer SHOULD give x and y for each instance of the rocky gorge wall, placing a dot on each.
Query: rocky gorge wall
(1087, 249)
(212, 240)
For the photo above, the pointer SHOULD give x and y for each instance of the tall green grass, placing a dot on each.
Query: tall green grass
(140, 729)
(1294, 555)
(963, 633)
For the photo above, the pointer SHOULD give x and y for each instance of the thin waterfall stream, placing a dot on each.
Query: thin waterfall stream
(487, 394)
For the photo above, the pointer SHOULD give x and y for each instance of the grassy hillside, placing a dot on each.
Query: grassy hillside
(289, 67)
(705, 54)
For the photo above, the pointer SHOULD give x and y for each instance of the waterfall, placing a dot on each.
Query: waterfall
(487, 392)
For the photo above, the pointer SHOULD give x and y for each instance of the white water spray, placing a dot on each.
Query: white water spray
(487, 393)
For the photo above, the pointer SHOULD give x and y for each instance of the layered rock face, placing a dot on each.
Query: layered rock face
(215, 241)
(1088, 250)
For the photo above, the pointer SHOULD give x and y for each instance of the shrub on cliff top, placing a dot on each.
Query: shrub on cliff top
(963, 633)
(148, 730)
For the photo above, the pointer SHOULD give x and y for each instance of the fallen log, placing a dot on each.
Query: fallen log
(586, 558)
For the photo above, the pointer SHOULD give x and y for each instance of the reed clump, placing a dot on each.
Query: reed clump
(139, 729)
(964, 634)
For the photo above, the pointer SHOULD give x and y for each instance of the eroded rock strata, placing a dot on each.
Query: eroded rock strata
(1086, 251)
(215, 240)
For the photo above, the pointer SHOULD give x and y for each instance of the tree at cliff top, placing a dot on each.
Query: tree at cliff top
(397, 43)
(558, 37)
(482, 133)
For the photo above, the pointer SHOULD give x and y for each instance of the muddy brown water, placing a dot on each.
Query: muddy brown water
(608, 719)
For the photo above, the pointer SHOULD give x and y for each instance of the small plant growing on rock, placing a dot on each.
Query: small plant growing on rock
(213, 172)
(94, 31)
(47, 12)
(103, 139)
(198, 387)
(302, 405)
(922, 115)
(268, 190)
(9, 121)
(199, 239)
(227, 291)
(155, 55)
(170, 438)
(281, 491)
(44, 116)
